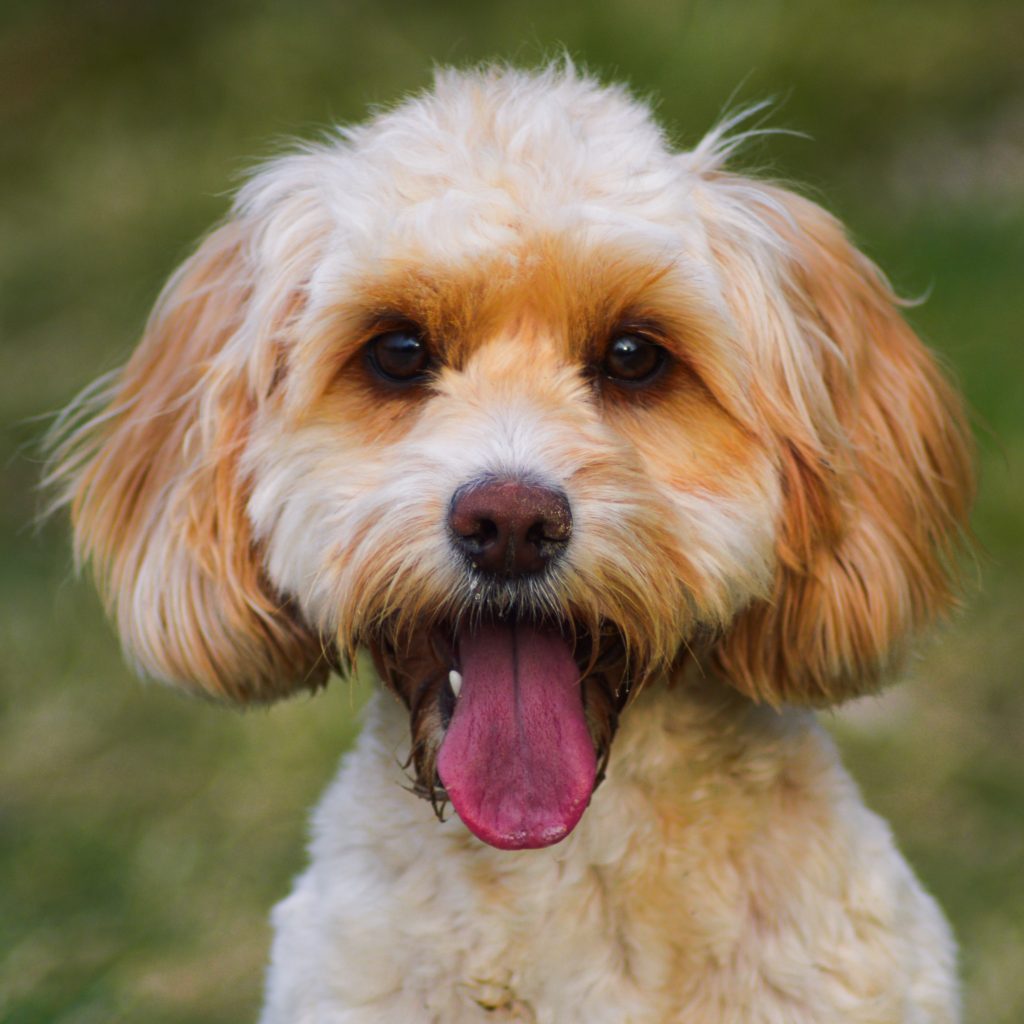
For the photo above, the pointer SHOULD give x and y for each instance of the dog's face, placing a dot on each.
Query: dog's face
(528, 468)
(504, 390)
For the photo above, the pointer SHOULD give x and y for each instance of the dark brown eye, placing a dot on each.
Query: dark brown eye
(633, 360)
(399, 357)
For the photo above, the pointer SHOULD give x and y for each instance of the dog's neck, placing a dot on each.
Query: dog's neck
(696, 747)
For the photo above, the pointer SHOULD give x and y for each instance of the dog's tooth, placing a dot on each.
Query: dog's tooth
(455, 681)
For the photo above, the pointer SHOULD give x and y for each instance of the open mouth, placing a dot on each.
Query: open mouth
(512, 721)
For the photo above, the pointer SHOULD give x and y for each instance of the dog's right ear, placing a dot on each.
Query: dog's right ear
(151, 472)
(874, 453)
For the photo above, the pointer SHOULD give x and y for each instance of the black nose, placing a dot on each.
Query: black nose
(509, 527)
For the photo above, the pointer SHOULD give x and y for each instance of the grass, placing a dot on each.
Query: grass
(143, 836)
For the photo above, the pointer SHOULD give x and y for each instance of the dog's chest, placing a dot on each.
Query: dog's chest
(547, 939)
(683, 895)
(421, 912)
(574, 932)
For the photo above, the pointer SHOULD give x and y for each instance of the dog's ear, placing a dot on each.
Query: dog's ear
(873, 449)
(157, 494)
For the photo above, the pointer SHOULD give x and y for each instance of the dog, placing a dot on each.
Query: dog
(617, 463)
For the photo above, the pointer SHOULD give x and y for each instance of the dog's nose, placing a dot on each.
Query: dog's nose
(509, 527)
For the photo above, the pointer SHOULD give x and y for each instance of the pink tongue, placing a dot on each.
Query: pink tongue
(517, 760)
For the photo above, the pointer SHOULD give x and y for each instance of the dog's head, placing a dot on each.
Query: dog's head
(506, 391)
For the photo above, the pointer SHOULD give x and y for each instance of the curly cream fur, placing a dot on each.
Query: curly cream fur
(765, 531)
(726, 871)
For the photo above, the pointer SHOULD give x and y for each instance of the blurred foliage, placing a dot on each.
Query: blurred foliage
(143, 837)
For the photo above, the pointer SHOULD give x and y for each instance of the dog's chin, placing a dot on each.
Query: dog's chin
(512, 718)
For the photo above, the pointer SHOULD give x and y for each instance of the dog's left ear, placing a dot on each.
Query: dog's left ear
(154, 473)
(873, 451)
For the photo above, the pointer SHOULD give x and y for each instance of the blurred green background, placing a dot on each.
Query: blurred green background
(143, 837)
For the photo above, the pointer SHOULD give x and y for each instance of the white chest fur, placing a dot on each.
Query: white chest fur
(726, 871)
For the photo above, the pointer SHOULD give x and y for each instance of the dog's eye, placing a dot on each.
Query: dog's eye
(633, 360)
(400, 356)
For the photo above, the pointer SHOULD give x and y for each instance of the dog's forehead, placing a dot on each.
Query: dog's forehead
(470, 215)
(478, 164)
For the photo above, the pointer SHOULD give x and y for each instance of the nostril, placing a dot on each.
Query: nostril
(546, 531)
(484, 533)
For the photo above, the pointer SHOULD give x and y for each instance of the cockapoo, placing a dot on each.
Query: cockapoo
(617, 463)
